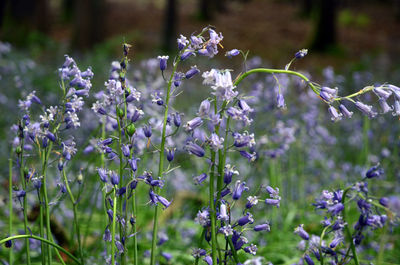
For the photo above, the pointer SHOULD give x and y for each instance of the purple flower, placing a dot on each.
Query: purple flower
(308, 259)
(177, 119)
(300, 54)
(199, 179)
(193, 124)
(194, 149)
(251, 201)
(166, 255)
(336, 208)
(192, 72)
(114, 178)
(178, 78)
(170, 154)
(208, 260)
(153, 197)
(182, 42)
(238, 190)
(204, 108)
(366, 109)
(274, 202)
(335, 116)
(51, 136)
(229, 172)
(126, 150)
(384, 201)
(250, 157)
(280, 101)
(163, 62)
(186, 54)
(248, 218)
(262, 227)
(345, 112)
(301, 232)
(163, 201)
(374, 171)
(103, 174)
(147, 131)
(232, 53)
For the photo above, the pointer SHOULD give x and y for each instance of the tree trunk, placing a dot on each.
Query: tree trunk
(170, 25)
(324, 25)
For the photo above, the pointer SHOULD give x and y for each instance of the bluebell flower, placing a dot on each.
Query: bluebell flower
(335, 116)
(193, 124)
(186, 54)
(280, 101)
(384, 105)
(251, 201)
(114, 178)
(301, 53)
(308, 259)
(396, 108)
(203, 218)
(182, 42)
(215, 142)
(107, 234)
(232, 53)
(103, 174)
(238, 190)
(366, 109)
(119, 246)
(133, 163)
(200, 178)
(250, 156)
(178, 78)
(204, 108)
(208, 260)
(192, 72)
(262, 227)
(153, 197)
(252, 249)
(229, 172)
(274, 202)
(345, 112)
(126, 150)
(170, 154)
(51, 136)
(384, 201)
(8, 244)
(226, 230)
(163, 62)
(198, 252)
(163, 201)
(382, 93)
(147, 131)
(223, 214)
(248, 218)
(374, 171)
(301, 232)
(336, 208)
(194, 149)
(166, 255)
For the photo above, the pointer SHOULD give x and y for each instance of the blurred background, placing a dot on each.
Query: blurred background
(273, 29)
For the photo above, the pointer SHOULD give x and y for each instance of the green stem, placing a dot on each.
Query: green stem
(212, 210)
(44, 241)
(10, 205)
(235, 256)
(46, 201)
(113, 226)
(121, 169)
(25, 206)
(275, 71)
(74, 205)
(347, 229)
(135, 247)
(161, 164)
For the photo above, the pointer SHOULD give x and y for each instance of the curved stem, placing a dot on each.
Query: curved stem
(44, 241)
(161, 163)
(275, 71)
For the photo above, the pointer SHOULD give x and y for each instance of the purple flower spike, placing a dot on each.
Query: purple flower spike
(301, 232)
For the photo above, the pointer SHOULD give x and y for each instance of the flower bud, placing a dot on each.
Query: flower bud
(131, 129)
